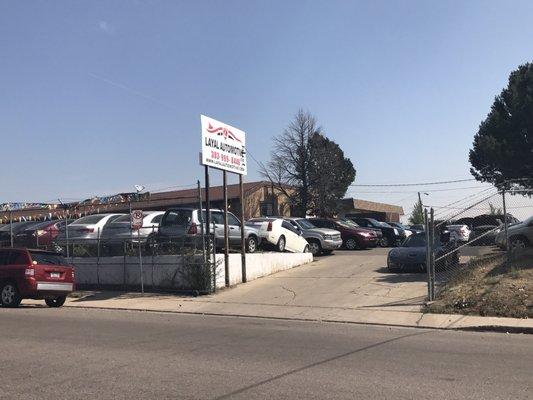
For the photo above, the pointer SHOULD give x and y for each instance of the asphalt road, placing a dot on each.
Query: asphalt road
(80, 354)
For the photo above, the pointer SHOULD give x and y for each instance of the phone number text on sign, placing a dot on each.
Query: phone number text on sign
(223, 146)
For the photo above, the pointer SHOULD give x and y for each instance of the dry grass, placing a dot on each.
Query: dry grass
(492, 288)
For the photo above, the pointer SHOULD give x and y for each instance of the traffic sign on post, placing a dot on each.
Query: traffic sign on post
(136, 219)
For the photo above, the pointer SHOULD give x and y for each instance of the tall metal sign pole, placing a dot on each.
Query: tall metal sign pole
(243, 240)
(226, 228)
(223, 147)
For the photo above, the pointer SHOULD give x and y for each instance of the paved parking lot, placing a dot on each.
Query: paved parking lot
(345, 279)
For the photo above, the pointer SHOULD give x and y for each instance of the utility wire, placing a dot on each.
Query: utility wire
(412, 184)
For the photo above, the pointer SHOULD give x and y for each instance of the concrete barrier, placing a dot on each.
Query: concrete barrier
(168, 272)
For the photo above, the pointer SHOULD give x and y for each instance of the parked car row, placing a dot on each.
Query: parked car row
(163, 228)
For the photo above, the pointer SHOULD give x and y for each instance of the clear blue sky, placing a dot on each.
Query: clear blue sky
(99, 95)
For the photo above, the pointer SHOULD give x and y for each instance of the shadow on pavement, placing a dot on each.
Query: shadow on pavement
(80, 297)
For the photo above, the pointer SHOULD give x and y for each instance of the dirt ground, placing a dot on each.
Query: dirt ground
(493, 288)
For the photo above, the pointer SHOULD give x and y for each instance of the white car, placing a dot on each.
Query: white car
(280, 233)
(459, 233)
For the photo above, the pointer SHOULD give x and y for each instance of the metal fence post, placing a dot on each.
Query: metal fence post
(140, 260)
(507, 247)
(428, 253)
(11, 226)
(98, 258)
(432, 251)
(201, 218)
(124, 264)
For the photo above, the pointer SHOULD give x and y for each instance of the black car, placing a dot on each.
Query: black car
(391, 236)
(15, 228)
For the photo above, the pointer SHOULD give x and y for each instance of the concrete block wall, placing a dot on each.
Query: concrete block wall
(165, 272)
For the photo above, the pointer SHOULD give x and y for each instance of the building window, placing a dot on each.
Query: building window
(267, 209)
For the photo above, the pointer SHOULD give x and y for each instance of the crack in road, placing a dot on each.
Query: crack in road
(290, 291)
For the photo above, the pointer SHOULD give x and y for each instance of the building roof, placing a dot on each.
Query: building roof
(365, 205)
(154, 200)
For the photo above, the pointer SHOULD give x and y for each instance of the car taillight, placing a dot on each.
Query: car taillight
(29, 272)
(269, 227)
(193, 229)
(72, 273)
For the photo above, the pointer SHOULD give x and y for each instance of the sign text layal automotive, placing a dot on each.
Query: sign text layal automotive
(223, 146)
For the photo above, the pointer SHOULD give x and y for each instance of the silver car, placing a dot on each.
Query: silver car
(184, 223)
(520, 235)
(87, 229)
(321, 240)
(119, 230)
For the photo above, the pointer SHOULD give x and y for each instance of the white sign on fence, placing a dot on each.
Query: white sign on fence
(136, 219)
(223, 146)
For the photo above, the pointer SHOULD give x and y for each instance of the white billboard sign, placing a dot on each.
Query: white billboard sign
(223, 146)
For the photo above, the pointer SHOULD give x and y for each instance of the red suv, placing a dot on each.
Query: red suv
(34, 274)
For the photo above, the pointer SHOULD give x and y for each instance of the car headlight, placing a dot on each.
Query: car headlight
(395, 231)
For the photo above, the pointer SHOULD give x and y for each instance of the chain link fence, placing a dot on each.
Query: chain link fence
(118, 257)
(490, 228)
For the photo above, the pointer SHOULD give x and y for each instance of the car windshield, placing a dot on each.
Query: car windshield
(89, 220)
(177, 217)
(39, 226)
(415, 241)
(305, 224)
(44, 258)
(349, 222)
(383, 224)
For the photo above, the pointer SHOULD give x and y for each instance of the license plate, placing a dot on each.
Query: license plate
(54, 275)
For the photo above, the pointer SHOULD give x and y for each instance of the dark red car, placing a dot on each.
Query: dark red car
(34, 274)
(41, 235)
(353, 237)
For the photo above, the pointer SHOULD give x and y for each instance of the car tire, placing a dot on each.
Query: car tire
(307, 249)
(393, 269)
(518, 242)
(9, 295)
(280, 246)
(251, 244)
(384, 242)
(55, 302)
(315, 247)
(351, 244)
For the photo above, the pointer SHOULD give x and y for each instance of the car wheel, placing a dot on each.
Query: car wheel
(251, 245)
(9, 295)
(393, 269)
(315, 247)
(518, 243)
(351, 244)
(55, 302)
(384, 242)
(422, 267)
(281, 244)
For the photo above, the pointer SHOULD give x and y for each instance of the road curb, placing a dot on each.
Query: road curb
(480, 328)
